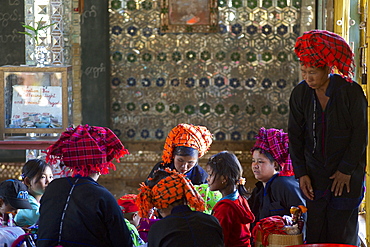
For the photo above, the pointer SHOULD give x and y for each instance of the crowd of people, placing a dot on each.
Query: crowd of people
(317, 165)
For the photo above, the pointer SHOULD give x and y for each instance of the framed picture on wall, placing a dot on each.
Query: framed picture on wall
(189, 16)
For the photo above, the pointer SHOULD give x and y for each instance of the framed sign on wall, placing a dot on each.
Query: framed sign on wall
(189, 16)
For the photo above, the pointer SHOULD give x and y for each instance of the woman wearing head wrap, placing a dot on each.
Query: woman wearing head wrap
(232, 210)
(173, 194)
(77, 210)
(277, 190)
(184, 145)
(328, 136)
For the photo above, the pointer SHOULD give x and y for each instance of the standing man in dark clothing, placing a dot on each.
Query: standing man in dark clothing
(77, 211)
(328, 136)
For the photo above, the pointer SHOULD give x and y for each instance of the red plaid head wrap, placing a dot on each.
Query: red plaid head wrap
(167, 191)
(276, 143)
(87, 149)
(269, 225)
(187, 135)
(128, 203)
(317, 48)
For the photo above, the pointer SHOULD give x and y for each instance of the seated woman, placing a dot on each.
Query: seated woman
(184, 145)
(36, 174)
(172, 194)
(277, 190)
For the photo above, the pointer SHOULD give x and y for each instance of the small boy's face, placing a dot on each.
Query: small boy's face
(6, 208)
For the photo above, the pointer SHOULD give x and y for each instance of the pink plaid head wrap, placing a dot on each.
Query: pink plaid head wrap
(317, 48)
(276, 143)
(87, 149)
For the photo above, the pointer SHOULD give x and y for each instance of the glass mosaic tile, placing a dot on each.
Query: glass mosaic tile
(55, 38)
(233, 81)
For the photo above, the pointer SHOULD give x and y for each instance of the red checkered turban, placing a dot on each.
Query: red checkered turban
(128, 203)
(317, 48)
(276, 143)
(187, 135)
(166, 191)
(87, 149)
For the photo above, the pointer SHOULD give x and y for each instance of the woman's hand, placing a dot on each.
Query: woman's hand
(306, 187)
(340, 180)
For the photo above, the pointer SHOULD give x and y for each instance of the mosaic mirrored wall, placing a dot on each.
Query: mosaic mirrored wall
(56, 38)
(233, 81)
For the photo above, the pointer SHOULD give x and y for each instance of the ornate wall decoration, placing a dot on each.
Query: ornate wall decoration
(233, 81)
(57, 37)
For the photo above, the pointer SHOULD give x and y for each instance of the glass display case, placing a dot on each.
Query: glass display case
(35, 99)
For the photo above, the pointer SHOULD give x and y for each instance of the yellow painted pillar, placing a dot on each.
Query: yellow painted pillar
(367, 54)
(341, 18)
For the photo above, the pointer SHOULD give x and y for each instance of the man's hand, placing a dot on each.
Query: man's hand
(340, 179)
(306, 187)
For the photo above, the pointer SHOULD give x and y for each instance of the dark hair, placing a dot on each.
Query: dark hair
(34, 169)
(157, 176)
(185, 151)
(227, 164)
(4, 200)
(269, 156)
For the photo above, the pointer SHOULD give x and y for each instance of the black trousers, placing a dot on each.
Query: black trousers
(328, 225)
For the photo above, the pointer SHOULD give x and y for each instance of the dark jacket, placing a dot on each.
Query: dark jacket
(92, 216)
(197, 174)
(279, 195)
(185, 227)
(322, 142)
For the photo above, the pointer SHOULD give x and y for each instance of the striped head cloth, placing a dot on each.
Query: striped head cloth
(276, 143)
(87, 149)
(187, 135)
(318, 48)
(168, 190)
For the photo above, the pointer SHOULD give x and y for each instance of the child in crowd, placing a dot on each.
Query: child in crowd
(36, 174)
(146, 223)
(132, 218)
(232, 210)
(184, 145)
(172, 193)
(13, 196)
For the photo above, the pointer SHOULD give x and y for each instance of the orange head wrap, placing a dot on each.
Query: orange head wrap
(187, 135)
(166, 191)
